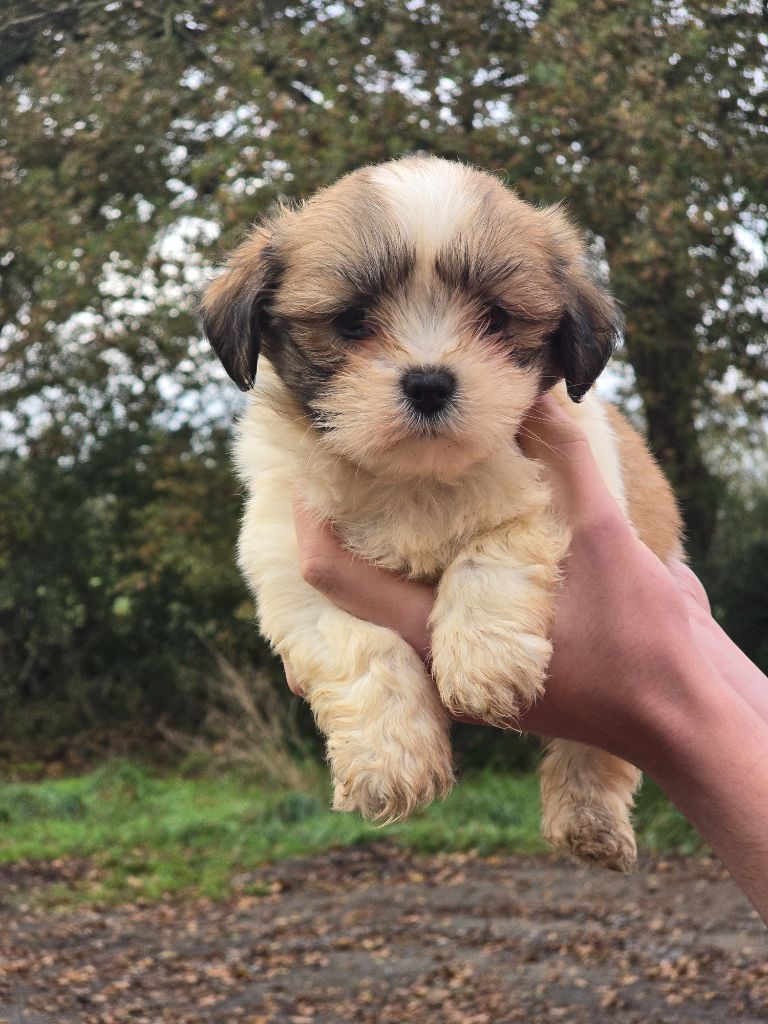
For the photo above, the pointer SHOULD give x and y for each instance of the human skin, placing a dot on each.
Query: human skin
(640, 668)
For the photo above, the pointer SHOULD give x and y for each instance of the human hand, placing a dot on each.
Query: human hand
(622, 639)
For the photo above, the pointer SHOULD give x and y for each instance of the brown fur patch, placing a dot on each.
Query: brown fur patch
(232, 305)
(651, 502)
(340, 248)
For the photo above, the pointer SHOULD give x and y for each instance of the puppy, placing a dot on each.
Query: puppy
(404, 320)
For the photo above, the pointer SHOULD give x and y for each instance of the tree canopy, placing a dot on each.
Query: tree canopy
(140, 140)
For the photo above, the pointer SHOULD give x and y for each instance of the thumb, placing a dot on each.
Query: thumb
(553, 437)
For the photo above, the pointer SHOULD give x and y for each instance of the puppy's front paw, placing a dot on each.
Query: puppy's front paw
(489, 676)
(592, 834)
(385, 777)
(388, 734)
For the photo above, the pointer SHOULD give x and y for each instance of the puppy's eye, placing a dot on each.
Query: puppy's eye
(496, 319)
(353, 324)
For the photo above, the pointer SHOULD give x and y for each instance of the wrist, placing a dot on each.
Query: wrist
(676, 726)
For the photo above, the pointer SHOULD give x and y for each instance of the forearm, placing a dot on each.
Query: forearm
(710, 755)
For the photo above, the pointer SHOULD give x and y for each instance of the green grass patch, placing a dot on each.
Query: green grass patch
(147, 835)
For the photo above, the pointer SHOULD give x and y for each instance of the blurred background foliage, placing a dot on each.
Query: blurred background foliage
(139, 140)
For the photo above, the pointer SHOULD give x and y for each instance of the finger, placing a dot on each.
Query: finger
(329, 567)
(354, 585)
(293, 684)
(733, 665)
(690, 584)
(511, 724)
(552, 436)
(315, 536)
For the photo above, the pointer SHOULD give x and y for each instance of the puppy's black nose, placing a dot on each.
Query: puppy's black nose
(429, 390)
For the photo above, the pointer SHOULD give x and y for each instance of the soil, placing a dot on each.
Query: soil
(377, 935)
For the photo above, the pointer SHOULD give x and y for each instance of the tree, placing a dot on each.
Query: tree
(138, 142)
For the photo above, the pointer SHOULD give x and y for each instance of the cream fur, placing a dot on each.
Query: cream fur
(430, 199)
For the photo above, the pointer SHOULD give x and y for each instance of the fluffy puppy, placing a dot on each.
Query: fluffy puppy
(404, 321)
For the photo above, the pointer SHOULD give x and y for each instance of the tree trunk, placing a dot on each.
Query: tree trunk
(669, 392)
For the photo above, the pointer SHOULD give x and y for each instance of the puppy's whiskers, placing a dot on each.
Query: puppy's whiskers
(526, 432)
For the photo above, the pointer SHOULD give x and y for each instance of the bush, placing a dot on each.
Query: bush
(117, 576)
(736, 570)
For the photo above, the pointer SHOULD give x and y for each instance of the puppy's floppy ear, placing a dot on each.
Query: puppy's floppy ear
(589, 330)
(233, 307)
(591, 323)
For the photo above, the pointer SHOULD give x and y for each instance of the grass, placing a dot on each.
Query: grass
(147, 835)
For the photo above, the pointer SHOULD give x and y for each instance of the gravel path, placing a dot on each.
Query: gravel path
(376, 935)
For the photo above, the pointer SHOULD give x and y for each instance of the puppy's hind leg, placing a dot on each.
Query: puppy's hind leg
(586, 799)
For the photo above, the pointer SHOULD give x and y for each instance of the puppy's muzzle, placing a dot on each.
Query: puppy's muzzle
(429, 390)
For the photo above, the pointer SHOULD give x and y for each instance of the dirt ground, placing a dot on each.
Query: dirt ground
(376, 935)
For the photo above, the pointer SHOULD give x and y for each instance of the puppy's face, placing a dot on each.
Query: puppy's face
(414, 311)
